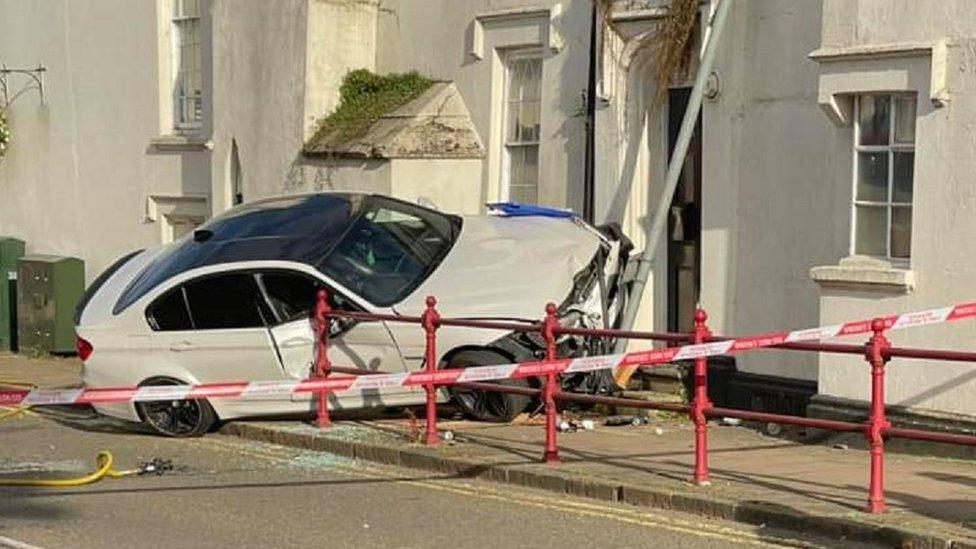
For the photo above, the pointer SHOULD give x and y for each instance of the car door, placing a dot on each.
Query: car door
(364, 345)
(214, 329)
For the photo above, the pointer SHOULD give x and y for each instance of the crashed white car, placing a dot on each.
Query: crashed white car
(232, 302)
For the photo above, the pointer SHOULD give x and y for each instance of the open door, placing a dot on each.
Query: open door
(365, 345)
(684, 223)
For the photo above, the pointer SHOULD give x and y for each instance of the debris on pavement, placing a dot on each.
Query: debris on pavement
(573, 425)
(619, 421)
(156, 466)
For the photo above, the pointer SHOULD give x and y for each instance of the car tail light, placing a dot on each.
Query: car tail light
(84, 348)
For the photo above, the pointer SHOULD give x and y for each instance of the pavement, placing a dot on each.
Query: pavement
(765, 482)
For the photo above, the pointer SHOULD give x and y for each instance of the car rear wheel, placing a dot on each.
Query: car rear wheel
(488, 405)
(176, 418)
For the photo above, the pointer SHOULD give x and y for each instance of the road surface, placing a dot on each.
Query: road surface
(226, 492)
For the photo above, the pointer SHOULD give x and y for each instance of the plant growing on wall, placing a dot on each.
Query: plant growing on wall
(363, 98)
(4, 133)
(671, 43)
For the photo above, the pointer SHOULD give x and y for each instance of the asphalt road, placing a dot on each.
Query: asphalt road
(226, 492)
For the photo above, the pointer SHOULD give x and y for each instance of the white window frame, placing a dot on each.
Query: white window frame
(891, 148)
(176, 63)
(506, 164)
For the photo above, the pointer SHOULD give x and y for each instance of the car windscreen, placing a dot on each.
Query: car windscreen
(390, 249)
(302, 228)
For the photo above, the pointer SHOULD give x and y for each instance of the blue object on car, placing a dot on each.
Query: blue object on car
(514, 209)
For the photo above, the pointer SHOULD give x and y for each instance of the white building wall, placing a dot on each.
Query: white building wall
(81, 166)
(769, 213)
(259, 96)
(942, 262)
(464, 41)
(277, 70)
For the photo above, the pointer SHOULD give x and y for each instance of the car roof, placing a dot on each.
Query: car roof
(300, 228)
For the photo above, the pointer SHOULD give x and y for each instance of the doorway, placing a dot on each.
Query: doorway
(684, 221)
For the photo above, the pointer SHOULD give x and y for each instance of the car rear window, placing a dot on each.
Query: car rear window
(170, 313)
(211, 303)
(225, 301)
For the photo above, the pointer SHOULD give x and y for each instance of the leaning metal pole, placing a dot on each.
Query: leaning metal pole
(653, 229)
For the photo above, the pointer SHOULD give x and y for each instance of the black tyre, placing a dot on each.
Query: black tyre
(176, 418)
(488, 405)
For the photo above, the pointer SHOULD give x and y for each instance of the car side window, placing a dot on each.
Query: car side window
(226, 301)
(388, 252)
(292, 296)
(169, 313)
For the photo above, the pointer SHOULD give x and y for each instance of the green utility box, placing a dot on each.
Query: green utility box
(48, 287)
(10, 250)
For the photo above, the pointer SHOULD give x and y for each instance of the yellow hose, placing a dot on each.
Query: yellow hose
(104, 469)
(11, 413)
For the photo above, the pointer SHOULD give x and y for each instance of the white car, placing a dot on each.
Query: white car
(232, 302)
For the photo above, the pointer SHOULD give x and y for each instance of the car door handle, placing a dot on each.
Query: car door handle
(181, 346)
(296, 342)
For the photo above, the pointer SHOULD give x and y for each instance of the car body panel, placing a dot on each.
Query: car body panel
(497, 268)
(120, 339)
(506, 267)
(367, 345)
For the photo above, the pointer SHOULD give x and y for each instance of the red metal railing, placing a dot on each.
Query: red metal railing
(877, 352)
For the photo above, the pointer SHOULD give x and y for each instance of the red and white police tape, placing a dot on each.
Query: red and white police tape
(336, 384)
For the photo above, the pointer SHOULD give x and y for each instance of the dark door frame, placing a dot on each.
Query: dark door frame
(686, 208)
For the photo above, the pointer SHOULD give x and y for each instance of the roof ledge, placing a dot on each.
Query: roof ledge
(437, 124)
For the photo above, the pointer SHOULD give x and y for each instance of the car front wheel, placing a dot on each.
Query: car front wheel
(176, 418)
(488, 405)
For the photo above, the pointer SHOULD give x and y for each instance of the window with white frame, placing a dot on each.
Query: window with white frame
(884, 161)
(187, 55)
(523, 99)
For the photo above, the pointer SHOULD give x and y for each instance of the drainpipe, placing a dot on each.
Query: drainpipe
(589, 171)
(655, 227)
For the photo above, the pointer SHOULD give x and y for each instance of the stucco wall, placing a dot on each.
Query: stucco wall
(259, 82)
(340, 36)
(452, 184)
(435, 38)
(767, 150)
(277, 69)
(768, 212)
(77, 175)
(321, 174)
(944, 197)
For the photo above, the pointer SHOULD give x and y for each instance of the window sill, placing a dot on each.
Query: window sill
(865, 273)
(180, 143)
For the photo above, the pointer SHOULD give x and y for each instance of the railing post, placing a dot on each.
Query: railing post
(431, 320)
(549, 325)
(877, 422)
(322, 364)
(701, 403)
